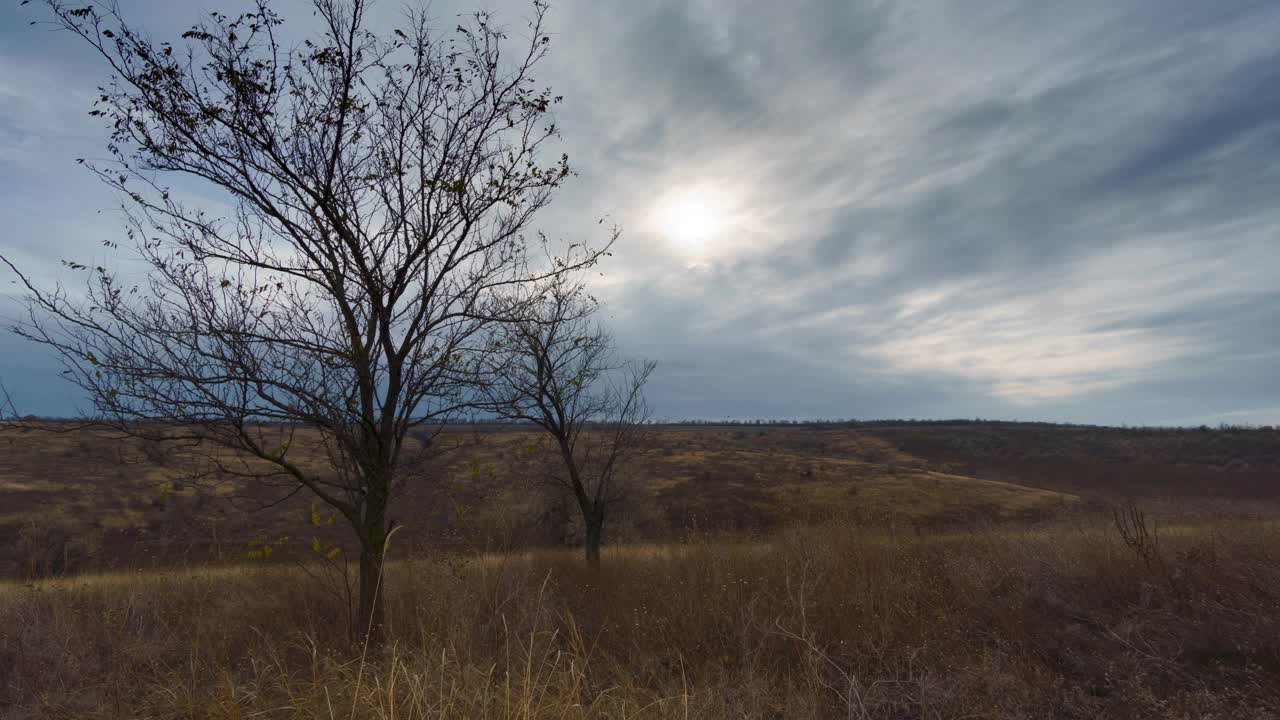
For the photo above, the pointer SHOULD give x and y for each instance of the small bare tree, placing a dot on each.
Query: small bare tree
(8, 411)
(381, 188)
(562, 372)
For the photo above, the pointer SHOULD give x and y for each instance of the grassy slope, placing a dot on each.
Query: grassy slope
(88, 499)
(1105, 462)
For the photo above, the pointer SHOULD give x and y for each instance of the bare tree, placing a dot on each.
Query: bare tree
(381, 191)
(562, 372)
(8, 411)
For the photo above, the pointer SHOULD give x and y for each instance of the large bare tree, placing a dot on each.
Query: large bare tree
(377, 196)
(562, 372)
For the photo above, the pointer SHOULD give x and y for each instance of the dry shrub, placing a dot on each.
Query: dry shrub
(51, 543)
(839, 621)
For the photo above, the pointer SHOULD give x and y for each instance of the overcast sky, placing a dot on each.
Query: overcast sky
(847, 208)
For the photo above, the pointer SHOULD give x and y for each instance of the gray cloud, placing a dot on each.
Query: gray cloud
(1030, 209)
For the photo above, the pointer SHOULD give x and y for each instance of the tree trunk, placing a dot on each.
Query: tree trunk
(371, 617)
(595, 532)
(372, 551)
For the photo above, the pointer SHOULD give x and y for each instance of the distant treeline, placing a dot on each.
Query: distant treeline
(827, 423)
(832, 423)
(951, 422)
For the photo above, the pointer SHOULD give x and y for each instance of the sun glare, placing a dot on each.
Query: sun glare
(690, 219)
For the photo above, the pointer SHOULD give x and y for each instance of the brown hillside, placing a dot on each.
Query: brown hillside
(89, 499)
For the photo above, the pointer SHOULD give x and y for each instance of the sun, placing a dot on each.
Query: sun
(690, 219)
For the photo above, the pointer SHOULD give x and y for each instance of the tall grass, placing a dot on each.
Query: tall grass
(839, 621)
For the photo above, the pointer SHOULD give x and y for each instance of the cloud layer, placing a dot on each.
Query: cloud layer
(1023, 209)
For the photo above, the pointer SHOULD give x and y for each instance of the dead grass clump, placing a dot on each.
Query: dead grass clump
(839, 621)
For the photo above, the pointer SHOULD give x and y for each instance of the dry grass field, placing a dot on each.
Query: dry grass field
(876, 572)
(841, 621)
(90, 500)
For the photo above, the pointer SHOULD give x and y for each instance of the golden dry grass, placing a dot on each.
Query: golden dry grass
(840, 621)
